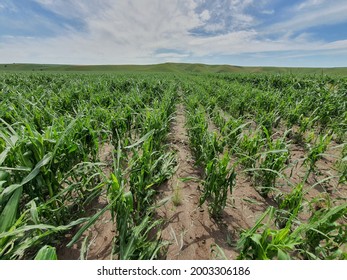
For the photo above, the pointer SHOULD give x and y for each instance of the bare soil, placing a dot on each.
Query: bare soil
(192, 234)
(100, 235)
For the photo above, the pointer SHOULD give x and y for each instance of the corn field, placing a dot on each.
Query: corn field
(271, 151)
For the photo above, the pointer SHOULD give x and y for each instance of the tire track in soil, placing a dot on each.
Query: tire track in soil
(188, 227)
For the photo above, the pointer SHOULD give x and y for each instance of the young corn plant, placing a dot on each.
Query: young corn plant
(218, 119)
(262, 242)
(325, 234)
(316, 151)
(232, 131)
(33, 174)
(248, 148)
(289, 206)
(134, 222)
(211, 147)
(157, 118)
(197, 129)
(268, 120)
(148, 168)
(24, 228)
(219, 179)
(272, 162)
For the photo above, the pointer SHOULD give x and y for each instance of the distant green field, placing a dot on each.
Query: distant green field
(171, 67)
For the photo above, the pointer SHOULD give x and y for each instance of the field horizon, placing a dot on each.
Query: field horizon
(171, 67)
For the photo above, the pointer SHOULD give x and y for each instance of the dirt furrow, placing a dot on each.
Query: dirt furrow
(100, 235)
(188, 227)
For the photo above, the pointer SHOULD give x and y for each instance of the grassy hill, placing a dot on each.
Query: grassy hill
(170, 67)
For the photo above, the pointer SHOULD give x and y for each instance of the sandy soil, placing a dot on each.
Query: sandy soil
(188, 228)
(101, 234)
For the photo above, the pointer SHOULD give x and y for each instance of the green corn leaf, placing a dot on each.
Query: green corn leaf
(19, 168)
(187, 179)
(9, 190)
(281, 255)
(42, 227)
(91, 221)
(1, 184)
(44, 161)
(34, 213)
(46, 253)
(141, 140)
(8, 215)
(9, 127)
(128, 196)
(3, 175)
(4, 154)
(115, 183)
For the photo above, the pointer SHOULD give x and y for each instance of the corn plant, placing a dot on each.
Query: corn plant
(248, 149)
(219, 179)
(289, 206)
(133, 221)
(148, 168)
(218, 119)
(322, 237)
(315, 151)
(211, 147)
(272, 162)
(268, 119)
(197, 129)
(232, 132)
(261, 242)
(24, 226)
(22, 231)
(324, 234)
(157, 118)
(205, 145)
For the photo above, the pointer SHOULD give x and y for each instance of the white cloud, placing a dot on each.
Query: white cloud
(267, 12)
(6, 5)
(123, 32)
(172, 56)
(227, 15)
(313, 13)
(215, 27)
(310, 3)
(205, 15)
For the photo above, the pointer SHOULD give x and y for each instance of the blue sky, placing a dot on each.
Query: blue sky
(250, 32)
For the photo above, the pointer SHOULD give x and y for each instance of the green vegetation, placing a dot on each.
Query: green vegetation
(258, 118)
(279, 132)
(172, 68)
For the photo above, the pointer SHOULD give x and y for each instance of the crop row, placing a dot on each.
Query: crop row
(51, 132)
(263, 151)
